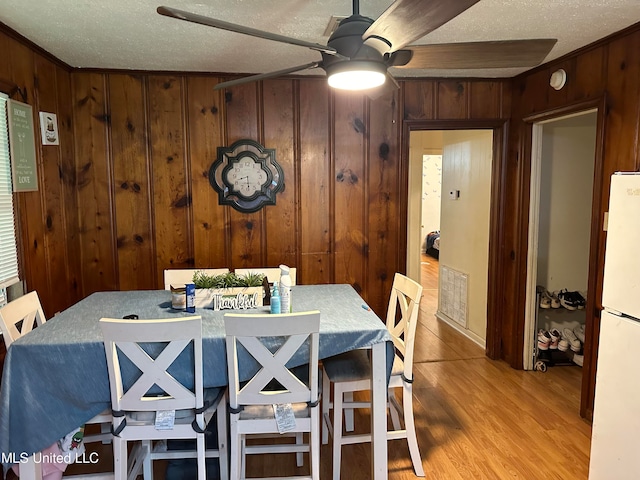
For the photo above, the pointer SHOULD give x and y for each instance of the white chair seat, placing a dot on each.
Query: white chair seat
(355, 365)
(260, 412)
(211, 397)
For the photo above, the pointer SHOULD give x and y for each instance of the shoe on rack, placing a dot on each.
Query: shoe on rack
(579, 300)
(555, 339)
(555, 301)
(578, 359)
(544, 340)
(571, 338)
(567, 299)
(579, 332)
(545, 298)
(563, 345)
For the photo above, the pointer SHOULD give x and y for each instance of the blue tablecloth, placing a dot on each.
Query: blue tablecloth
(55, 378)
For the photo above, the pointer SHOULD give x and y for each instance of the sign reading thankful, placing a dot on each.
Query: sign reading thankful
(22, 147)
(241, 301)
(234, 298)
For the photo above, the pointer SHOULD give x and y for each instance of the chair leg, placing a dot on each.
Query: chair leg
(299, 455)
(200, 447)
(235, 448)
(119, 458)
(314, 444)
(105, 428)
(412, 440)
(147, 463)
(337, 430)
(243, 457)
(395, 417)
(326, 406)
(221, 419)
(136, 458)
(349, 424)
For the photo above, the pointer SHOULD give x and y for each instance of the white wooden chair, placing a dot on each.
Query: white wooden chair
(272, 274)
(251, 400)
(21, 316)
(135, 403)
(351, 372)
(181, 276)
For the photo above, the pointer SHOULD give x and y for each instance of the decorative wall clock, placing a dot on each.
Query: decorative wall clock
(246, 176)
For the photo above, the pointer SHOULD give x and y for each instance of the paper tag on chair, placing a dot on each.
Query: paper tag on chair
(285, 418)
(165, 419)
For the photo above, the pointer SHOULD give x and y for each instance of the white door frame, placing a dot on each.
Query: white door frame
(531, 306)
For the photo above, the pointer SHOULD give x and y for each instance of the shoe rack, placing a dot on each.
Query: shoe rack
(548, 319)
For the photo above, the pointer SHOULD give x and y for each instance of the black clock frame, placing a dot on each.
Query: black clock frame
(228, 157)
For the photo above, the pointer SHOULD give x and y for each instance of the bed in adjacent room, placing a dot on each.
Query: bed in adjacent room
(432, 244)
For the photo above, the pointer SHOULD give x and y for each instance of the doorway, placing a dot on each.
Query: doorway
(563, 163)
(465, 204)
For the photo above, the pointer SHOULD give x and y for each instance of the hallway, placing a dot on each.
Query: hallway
(435, 340)
(480, 419)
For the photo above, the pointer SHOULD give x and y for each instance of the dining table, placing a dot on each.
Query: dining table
(55, 378)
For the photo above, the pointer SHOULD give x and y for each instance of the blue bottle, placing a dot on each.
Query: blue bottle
(275, 299)
(190, 292)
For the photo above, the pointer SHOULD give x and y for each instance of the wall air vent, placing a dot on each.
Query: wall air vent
(334, 21)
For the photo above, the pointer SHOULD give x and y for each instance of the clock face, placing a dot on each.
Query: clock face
(246, 177)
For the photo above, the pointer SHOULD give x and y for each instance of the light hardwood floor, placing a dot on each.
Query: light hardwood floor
(476, 418)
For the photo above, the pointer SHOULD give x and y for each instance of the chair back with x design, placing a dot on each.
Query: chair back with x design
(20, 316)
(259, 335)
(259, 350)
(156, 366)
(128, 338)
(402, 318)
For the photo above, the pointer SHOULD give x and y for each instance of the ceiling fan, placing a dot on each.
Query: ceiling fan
(359, 52)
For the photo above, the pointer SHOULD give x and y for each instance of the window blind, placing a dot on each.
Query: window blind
(8, 251)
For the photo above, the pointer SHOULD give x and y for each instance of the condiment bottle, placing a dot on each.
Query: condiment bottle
(285, 289)
(275, 299)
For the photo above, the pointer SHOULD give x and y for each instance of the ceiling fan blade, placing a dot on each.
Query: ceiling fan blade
(264, 76)
(406, 21)
(499, 54)
(232, 27)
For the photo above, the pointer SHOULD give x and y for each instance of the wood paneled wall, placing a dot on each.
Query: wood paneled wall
(126, 194)
(606, 75)
(47, 219)
(144, 144)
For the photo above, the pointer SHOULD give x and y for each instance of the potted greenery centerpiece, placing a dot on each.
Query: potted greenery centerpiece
(228, 290)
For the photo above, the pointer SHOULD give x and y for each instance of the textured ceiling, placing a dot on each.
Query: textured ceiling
(129, 34)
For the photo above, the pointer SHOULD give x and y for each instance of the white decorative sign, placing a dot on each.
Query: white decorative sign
(233, 298)
(49, 128)
(241, 301)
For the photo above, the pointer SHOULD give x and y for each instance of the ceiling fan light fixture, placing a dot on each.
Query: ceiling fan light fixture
(356, 75)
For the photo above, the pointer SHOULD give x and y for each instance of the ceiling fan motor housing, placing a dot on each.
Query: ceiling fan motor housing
(347, 40)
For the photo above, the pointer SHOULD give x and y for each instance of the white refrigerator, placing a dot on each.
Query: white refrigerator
(615, 439)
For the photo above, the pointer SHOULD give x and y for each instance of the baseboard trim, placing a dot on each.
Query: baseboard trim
(466, 332)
